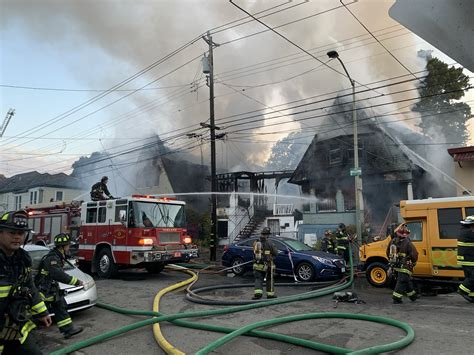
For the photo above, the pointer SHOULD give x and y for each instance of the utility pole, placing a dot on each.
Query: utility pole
(212, 128)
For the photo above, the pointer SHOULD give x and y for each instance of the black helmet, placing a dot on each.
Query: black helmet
(266, 231)
(342, 226)
(15, 220)
(62, 239)
(104, 178)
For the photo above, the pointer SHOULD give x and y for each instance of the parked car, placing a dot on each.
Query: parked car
(308, 264)
(77, 297)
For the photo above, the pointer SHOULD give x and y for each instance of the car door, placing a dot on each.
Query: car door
(282, 260)
(245, 249)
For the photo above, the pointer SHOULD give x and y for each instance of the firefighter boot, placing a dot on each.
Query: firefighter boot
(397, 300)
(412, 296)
(73, 331)
(466, 296)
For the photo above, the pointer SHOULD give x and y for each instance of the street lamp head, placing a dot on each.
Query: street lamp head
(333, 54)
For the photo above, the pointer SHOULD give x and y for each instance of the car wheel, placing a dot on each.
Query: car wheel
(104, 264)
(377, 274)
(304, 272)
(236, 269)
(155, 268)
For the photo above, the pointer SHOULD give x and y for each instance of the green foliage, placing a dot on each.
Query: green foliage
(442, 88)
(287, 152)
(199, 226)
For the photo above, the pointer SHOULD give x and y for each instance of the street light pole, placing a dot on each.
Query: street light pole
(357, 179)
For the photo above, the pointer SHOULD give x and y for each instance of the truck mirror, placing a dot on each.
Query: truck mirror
(123, 216)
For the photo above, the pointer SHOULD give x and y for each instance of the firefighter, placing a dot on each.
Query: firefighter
(49, 274)
(20, 301)
(403, 257)
(328, 244)
(264, 265)
(342, 242)
(466, 258)
(99, 189)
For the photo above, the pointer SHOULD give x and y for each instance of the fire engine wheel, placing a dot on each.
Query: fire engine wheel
(105, 265)
(377, 274)
(304, 272)
(155, 268)
(236, 268)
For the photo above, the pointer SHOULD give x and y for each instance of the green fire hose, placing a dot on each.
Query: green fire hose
(250, 329)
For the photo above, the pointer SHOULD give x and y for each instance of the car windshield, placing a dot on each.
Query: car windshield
(37, 255)
(152, 214)
(297, 245)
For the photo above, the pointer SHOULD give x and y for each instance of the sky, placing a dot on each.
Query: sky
(61, 58)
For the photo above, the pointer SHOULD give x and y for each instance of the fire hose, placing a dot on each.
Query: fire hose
(251, 329)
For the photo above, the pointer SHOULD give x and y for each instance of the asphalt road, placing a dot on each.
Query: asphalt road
(443, 324)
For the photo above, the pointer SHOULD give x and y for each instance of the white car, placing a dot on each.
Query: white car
(77, 297)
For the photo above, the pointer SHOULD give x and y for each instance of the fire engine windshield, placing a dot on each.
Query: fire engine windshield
(151, 214)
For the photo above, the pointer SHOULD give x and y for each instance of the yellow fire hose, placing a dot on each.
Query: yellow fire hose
(160, 339)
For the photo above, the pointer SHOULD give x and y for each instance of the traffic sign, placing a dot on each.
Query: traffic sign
(356, 172)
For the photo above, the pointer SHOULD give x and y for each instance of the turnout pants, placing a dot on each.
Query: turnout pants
(15, 347)
(466, 289)
(260, 276)
(61, 316)
(403, 287)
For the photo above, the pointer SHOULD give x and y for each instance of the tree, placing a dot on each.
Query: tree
(440, 110)
(287, 152)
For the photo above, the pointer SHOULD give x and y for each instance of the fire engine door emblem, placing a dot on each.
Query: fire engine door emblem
(119, 234)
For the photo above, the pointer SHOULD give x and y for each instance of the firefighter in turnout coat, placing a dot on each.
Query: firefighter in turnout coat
(403, 257)
(342, 242)
(100, 189)
(466, 258)
(328, 244)
(20, 301)
(50, 273)
(264, 265)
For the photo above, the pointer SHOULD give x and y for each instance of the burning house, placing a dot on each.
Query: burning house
(392, 164)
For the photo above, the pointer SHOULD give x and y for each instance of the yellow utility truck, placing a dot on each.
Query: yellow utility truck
(434, 225)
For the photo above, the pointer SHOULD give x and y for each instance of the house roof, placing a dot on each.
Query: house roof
(462, 153)
(385, 147)
(23, 182)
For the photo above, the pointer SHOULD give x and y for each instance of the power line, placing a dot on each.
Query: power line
(365, 27)
(293, 43)
(320, 108)
(341, 112)
(116, 86)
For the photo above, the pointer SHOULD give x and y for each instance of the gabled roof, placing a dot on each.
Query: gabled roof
(23, 182)
(402, 148)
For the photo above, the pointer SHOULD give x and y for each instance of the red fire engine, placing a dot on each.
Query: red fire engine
(136, 231)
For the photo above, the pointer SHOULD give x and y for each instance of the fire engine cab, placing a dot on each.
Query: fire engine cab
(136, 231)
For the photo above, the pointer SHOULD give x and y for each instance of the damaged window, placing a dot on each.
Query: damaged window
(335, 156)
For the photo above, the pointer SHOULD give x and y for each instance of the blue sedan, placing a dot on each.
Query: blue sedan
(294, 258)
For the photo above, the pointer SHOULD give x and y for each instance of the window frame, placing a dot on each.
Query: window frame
(453, 229)
(88, 213)
(56, 195)
(102, 214)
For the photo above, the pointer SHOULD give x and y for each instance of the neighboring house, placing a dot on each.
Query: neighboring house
(243, 211)
(35, 190)
(464, 169)
(168, 176)
(391, 171)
